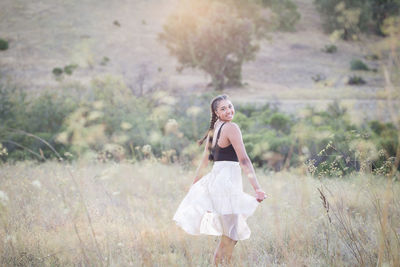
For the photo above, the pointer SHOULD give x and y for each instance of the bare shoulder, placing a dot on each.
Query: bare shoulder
(232, 127)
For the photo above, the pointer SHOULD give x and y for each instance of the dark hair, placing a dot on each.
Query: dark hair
(210, 131)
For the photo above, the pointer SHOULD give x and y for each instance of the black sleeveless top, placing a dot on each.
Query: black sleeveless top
(223, 154)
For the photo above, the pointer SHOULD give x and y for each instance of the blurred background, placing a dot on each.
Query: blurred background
(103, 88)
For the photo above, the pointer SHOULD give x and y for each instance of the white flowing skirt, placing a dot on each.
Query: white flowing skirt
(217, 205)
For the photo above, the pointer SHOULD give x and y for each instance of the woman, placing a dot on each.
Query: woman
(216, 203)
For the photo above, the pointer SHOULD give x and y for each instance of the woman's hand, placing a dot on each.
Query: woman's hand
(260, 195)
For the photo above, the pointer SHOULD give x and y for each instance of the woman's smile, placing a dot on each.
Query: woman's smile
(225, 110)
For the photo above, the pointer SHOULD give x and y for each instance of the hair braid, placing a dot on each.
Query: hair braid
(214, 118)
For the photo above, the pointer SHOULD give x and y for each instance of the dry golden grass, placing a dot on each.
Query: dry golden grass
(121, 215)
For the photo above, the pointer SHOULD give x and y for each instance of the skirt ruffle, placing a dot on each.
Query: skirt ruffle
(217, 205)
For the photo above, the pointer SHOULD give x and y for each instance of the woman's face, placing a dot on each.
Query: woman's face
(225, 110)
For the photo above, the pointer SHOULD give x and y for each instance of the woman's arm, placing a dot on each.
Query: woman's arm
(203, 163)
(235, 137)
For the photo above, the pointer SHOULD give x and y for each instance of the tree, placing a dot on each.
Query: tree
(214, 36)
(349, 18)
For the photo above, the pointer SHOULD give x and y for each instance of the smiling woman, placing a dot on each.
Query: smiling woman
(216, 203)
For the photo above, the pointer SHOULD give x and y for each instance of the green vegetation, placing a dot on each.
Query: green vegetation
(42, 116)
(356, 80)
(372, 57)
(68, 69)
(286, 13)
(357, 64)
(330, 49)
(57, 71)
(104, 61)
(350, 17)
(3, 44)
(108, 122)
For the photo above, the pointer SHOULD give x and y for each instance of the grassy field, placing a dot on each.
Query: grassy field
(92, 214)
(110, 214)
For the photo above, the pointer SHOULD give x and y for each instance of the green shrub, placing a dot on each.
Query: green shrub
(382, 9)
(356, 80)
(25, 122)
(70, 68)
(280, 122)
(104, 61)
(357, 64)
(330, 49)
(385, 136)
(352, 16)
(3, 44)
(6, 102)
(57, 71)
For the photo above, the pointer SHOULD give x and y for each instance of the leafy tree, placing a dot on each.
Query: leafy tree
(350, 17)
(214, 36)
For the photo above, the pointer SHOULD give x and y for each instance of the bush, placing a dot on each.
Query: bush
(70, 68)
(349, 17)
(382, 9)
(356, 80)
(357, 64)
(280, 122)
(330, 49)
(104, 61)
(3, 44)
(25, 122)
(57, 71)
(385, 136)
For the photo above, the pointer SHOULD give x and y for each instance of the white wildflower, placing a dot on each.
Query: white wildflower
(171, 126)
(94, 115)
(126, 126)
(9, 238)
(146, 149)
(68, 155)
(3, 197)
(37, 184)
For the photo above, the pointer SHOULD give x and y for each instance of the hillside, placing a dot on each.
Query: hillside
(48, 34)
